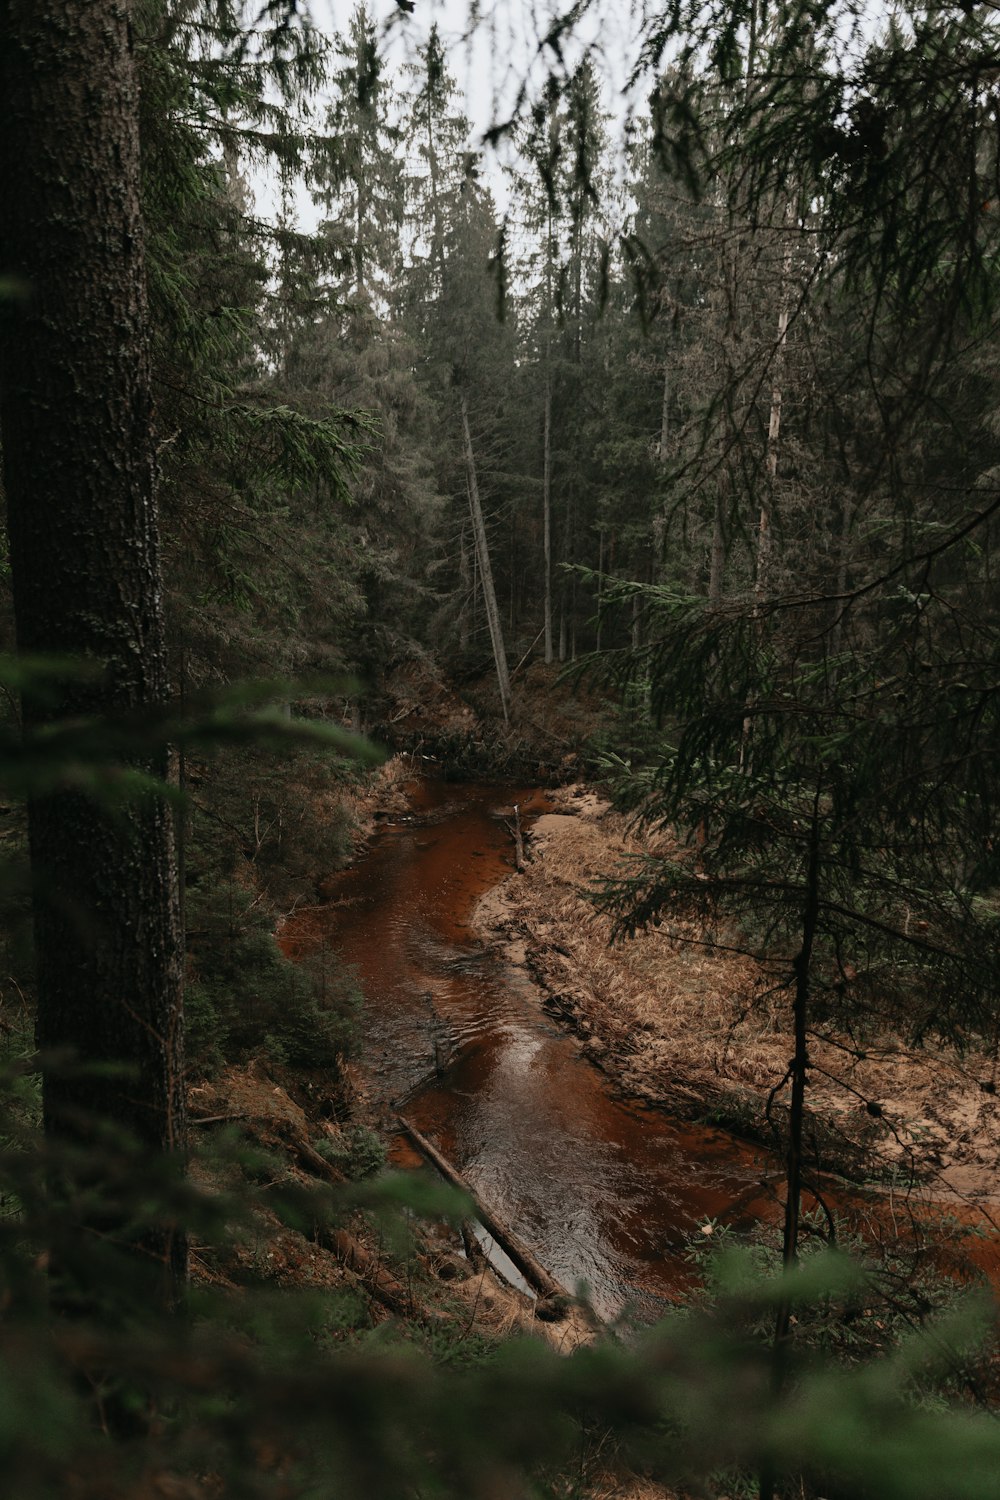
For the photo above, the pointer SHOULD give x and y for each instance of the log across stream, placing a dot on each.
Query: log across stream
(600, 1190)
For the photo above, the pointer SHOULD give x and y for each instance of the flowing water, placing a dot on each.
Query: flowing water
(603, 1191)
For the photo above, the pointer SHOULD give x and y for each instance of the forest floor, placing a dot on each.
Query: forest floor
(423, 1280)
(704, 1033)
(695, 1031)
(423, 713)
(409, 1279)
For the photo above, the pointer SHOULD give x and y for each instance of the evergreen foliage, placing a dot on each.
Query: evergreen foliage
(750, 404)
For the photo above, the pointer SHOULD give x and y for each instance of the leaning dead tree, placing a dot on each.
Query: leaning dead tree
(485, 571)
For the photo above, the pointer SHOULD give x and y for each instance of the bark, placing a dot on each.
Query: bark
(569, 556)
(76, 415)
(547, 447)
(514, 829)
(485, 570)
(800, 1059)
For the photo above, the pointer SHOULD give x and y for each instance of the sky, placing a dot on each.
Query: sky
(493, 49)
(489, 60)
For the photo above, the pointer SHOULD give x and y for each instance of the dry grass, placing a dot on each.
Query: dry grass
(680, 1022)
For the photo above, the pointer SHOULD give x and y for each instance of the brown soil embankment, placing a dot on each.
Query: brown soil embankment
(676, 1019)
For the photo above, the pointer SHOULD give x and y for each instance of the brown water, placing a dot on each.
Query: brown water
(604, 1191)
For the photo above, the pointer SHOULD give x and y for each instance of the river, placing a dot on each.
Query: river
(605, 1192)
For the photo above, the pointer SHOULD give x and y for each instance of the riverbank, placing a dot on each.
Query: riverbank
(652, 1020)
(322, 1128)
(703, 1032)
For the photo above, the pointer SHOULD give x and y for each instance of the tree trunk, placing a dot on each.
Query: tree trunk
(465, 578)
(765, 540)
(547, 439)
(798, 1069)
(530, 1267)
(843, 565)
(76, 415)
(717, 559)
(547, 516)
(665, 415)
(485, 571)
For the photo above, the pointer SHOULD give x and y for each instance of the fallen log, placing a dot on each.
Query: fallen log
(318, 1166)
(528, 1264)
(473, 1249)
(377, 1281)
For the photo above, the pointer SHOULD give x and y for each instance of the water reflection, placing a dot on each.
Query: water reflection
(604, 1191)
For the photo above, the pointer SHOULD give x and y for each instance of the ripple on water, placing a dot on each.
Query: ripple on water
(604, 1191)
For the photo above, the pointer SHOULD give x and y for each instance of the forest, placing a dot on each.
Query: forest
(500, 750)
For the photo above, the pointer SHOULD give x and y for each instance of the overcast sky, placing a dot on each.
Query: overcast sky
(489, 60)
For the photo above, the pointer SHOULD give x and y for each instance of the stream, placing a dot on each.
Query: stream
(604, 1191)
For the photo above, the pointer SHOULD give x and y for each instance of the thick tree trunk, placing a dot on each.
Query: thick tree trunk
(486, 571)
(76, 413)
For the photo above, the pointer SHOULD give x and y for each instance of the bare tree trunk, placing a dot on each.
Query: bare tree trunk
(465, 576)
(717, 558)
(485, 571)
(765, 540)
(547, 516)
(665, 414)
(573, 616)
(797, 1070)
(843, 562)
(78, 449)
(659, 528)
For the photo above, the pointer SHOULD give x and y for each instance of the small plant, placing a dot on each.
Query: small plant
(358, 1152)
(245, 998)
(884, 1294)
